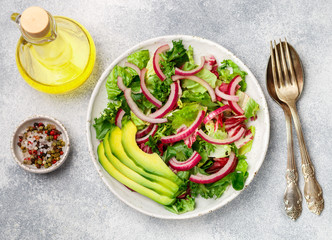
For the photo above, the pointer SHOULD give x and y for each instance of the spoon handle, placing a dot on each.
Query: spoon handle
(292, 196)
(313, 193)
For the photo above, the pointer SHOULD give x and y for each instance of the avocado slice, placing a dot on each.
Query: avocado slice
(152, 163)
(164, 200)
(118, 151)
(132, 174)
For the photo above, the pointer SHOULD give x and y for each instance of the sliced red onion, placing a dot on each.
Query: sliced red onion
(226, 141)
(189, 141)
(205, 179)
(118, 117)
(156, 59)
(146, 92)
(200, 81)
(223, 87)
(180, 89)
(145, 148)
(133, 66)
(226, 96)
(144, 131)
(233, 131)
(172, 100)
(179, 136)
(186, 165)
(216, 166)
(216, 113)
(231, 91)
(234, 119)
(236, 108)
(146, 138)
(210, 62)
(121, 84)
(245, 139)
(232, 85)
(137, 111)
(231, 125)
(191, 72)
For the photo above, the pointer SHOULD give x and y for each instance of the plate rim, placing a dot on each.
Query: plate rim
(89, 122)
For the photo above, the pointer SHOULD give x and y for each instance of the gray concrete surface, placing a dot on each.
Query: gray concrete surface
(73, 202)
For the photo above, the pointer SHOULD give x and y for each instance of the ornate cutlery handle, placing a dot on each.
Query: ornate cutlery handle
(313, 193)
(292, 196)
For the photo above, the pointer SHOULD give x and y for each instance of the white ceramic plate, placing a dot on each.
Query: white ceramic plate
(255, 158)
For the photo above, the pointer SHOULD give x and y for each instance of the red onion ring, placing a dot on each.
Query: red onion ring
(133, 66)
(137, 111)
(216, 113)
(191, 72)
(226, 141)
(121, 84)
(186, 165)
(179, 136)
(172, 100)
(146, 92)
(205, 179)
(156, 59)
(144, 131)
(118, 117)
(200, 81)
(146, 137)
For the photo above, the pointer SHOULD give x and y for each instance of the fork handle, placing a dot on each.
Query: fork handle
(292, 196)
(313, 193)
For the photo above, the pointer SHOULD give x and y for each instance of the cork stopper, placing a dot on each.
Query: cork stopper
(35, 22)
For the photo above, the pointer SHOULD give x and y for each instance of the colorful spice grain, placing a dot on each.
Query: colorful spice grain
(41, 145)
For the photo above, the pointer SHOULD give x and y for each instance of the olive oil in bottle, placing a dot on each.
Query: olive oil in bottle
(54, 54)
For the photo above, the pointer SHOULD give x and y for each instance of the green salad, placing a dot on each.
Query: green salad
(175, 129)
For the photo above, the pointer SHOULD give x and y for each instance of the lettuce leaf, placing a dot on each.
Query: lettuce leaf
(159, 89)
(247, 147)
(149, 68)
(195, 87)
(182, 205)
(178, 54)
(226, 75)
(251, 108)
(240, 174)
(204, 149)
(179, 150)
(186, 115)
(212, 190)
(106, 120)
(140, 58)
(190, 54)
(152, 143)
(202, 98)
(220, 151)
(248, 104)
(140, 124)
(127, 74)
(216, 189)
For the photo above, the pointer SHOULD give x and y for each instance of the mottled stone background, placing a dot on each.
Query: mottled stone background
(73, 202)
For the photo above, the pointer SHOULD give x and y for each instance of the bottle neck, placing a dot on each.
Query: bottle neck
(49, 36)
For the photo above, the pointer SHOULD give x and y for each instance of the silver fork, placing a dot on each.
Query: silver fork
(287, 90)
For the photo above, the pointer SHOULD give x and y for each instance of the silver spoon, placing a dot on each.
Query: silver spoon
(292, 196)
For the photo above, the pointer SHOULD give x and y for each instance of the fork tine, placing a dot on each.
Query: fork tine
(284, 64)
(290, 62)
(281, 82)
(273, 64)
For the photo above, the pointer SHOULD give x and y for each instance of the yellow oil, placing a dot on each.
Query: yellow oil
(61, 65)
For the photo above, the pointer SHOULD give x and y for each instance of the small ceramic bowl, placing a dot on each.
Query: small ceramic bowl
(17, 152)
